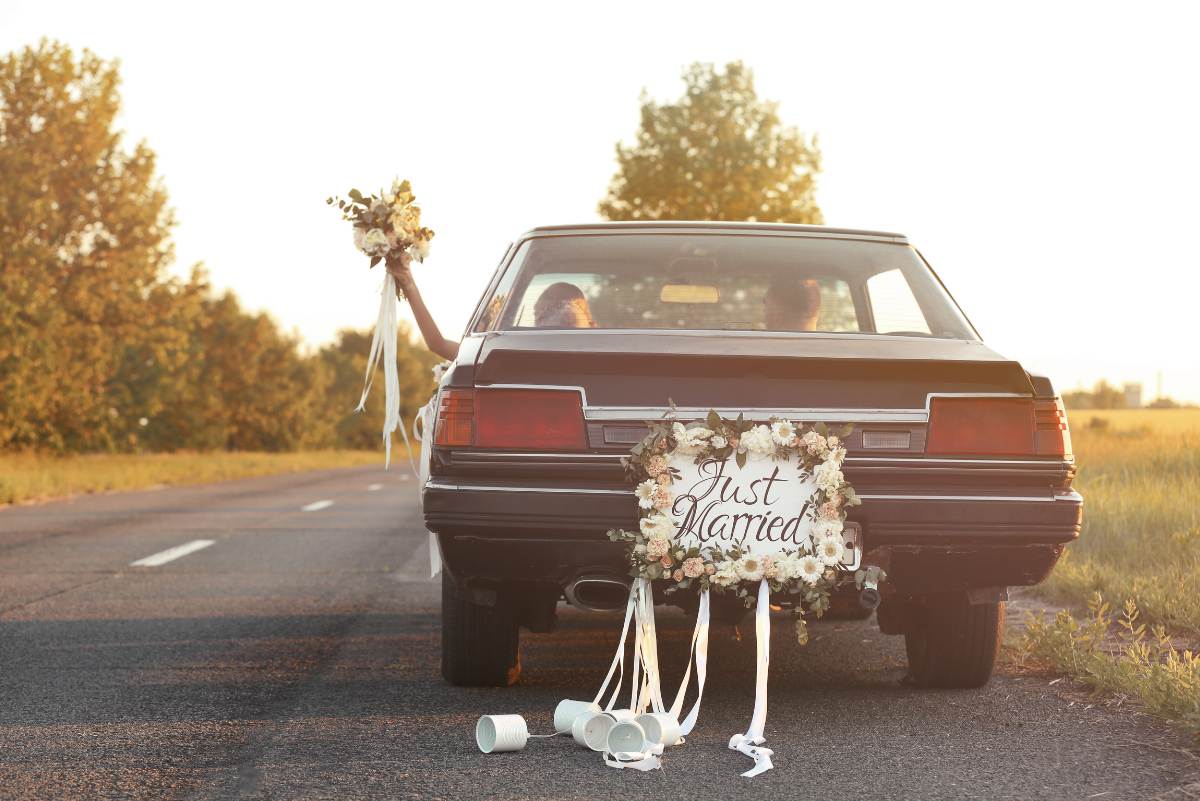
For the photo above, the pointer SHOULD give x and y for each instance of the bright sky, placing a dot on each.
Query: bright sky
(1043, 156)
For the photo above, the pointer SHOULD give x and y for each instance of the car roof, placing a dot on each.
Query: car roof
(714, 225)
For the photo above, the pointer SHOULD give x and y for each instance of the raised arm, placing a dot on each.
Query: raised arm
(446, 348)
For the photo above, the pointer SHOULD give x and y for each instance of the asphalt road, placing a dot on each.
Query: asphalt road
(297, 657)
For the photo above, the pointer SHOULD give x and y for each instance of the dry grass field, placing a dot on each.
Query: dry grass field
(1136, 564)
(28, 477)
(1139, 472)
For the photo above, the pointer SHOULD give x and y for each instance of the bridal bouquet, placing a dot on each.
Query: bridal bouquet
(386, 227)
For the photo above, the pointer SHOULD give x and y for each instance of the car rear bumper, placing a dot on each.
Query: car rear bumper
(929, 542)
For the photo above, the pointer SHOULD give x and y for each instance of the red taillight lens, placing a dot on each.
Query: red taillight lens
(529, 418)
(523, 419)
(981, 426)
(456, 418)
(1053, 436)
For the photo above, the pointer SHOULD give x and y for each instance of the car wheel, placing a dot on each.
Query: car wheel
(479, 643)
(955, 644)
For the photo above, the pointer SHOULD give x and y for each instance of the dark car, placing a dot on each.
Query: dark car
(961, 457)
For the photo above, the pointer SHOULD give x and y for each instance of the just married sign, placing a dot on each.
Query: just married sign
(763, 504)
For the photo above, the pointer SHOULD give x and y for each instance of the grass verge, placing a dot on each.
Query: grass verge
(1117, 654)
(29, 477)
(1139, 472)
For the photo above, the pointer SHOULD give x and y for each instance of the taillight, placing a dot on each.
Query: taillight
(456, 418)
(1053, 436)
(981, 426)
(524, 419)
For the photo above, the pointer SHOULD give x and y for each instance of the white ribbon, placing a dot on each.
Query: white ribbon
(619, 656)
(383, 345)
(748, 743)
(650, 759)
(699, 653)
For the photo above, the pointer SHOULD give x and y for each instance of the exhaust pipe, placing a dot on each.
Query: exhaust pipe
(868, 597)
(597, 593)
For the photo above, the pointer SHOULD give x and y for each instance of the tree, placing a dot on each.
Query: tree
(719, 153)
(84, 237)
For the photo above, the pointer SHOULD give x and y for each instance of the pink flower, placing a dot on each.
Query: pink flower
(662, 444)
(693, 567)
(769, 570)
(656, 465)
(657, 548)
(709, 569)
(666, 561)
(829, 510)
(662, 499)
(677, 575)
(664, 478)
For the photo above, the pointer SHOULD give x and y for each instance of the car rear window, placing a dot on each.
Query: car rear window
(721, 281)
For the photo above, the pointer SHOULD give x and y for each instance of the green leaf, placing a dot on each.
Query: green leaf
(821, 429)
(714, 419)
(375, 260)
(846, 430)
(740, 459)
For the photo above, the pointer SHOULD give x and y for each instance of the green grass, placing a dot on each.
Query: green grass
(1139, 472)
(1140, 478)
(30, 477)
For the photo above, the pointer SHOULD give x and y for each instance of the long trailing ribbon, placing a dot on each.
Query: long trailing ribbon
(619, 657)
(749, 742)
(699, 653)
(383, 345)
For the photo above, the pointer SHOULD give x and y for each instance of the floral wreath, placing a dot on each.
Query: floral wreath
(810, 572)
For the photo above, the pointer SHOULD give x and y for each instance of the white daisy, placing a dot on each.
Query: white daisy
(810, 569)
(830, 550)
(657, 525)
(749, 568)
(645, 493)
(783, 432)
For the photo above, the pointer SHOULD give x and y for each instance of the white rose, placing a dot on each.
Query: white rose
(375, 242)
(828, 477)
(758, 440)
(787, 568)
(726, 574)
(827, 527)
(718, 442)
(419, 250)
(360, 238)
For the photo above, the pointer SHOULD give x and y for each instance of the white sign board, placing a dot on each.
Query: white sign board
(766, 506)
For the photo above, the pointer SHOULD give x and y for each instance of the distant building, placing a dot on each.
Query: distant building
(1133, 394)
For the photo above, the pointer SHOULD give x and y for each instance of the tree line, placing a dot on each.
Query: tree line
(102, 350)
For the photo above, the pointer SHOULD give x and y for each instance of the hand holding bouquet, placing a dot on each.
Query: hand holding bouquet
(387, 226)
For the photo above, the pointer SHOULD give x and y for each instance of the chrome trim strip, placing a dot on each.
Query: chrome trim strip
(707, 229)
(580, 390)
(929, 397)
(646, 413)
(1023, 498)
(914, 461)
(432, 484)
(491, 456)
(1070, 495)
(952, 462)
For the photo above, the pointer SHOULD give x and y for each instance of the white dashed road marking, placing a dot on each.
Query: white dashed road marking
(374, 488)
(316, 506)
(171, 554)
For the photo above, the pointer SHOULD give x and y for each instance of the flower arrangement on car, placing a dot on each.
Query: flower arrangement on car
(809, 560)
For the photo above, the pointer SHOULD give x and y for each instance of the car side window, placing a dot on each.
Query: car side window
(893, 304)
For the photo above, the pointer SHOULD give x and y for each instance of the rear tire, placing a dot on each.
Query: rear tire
(480, 644)
(955, 645)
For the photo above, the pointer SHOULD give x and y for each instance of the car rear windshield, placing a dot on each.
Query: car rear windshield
(722, 281)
